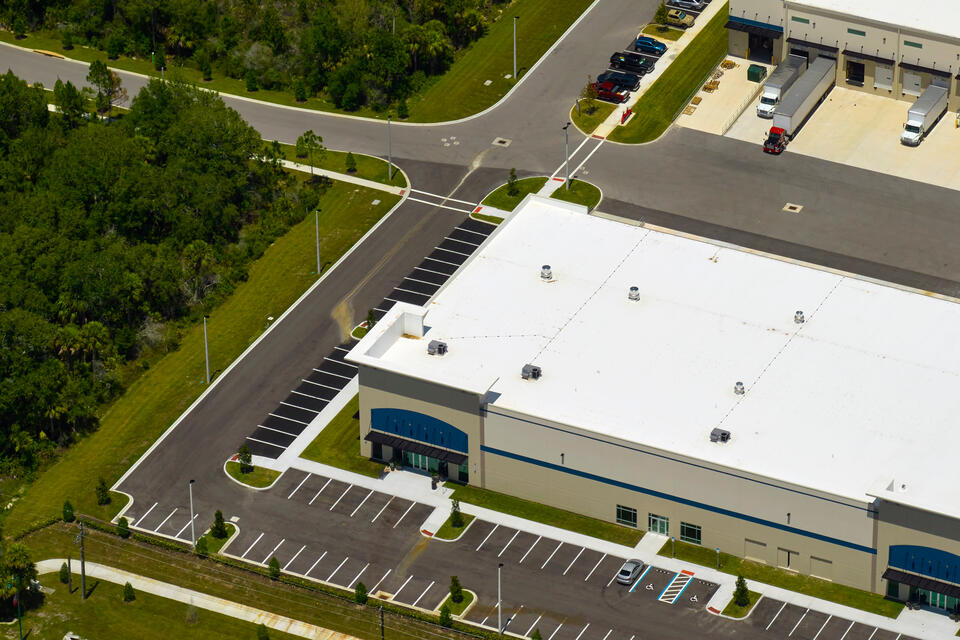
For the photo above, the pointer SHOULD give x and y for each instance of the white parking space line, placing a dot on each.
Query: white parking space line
(530, 630)
(875, 629)
(321, 490)
(299, 485)
(165, 519)
(402, 586)
(897, 638)
(286, 433)
(341, 496)
(412, 504)
(282, 540)
(509, 543)
(361, 504)
(608, 634)
(374, 589)
(495, 527)
(848, 630)
(555, 631)
(184, 527)
(585, 140)
(379, 513)
(251, 546)
(530, 549)
(423, 594)
(294, 557)
(798, 622)
(775, 617)
(582, 631)
(574, 560)
(595, 567)
(613, 578)
(639, 579)
(139, 520)
(316, 562)
(339, 566)
(350, 586)
(286, 418)
(825, 624)
(545, 562)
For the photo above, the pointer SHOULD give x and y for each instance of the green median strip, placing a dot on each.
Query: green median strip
(807, 585)
(214, 544)
(662, 32)
(339, 444)
(450, 532)
(548, 515)
(257, 477)
(736, 611)
(486, 218)
(457, 608)
(659, 106)
(587, 121)
(501, 198)
(580, 192)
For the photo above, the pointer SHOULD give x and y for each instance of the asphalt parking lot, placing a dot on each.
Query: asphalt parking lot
(781, 620)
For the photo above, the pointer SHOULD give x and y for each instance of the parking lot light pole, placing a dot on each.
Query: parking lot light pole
(193, 534)
(673, 546)
(718, 558)
(206, 350)
(389, 153)
(316, 215)
(515, 18)
(566, 153)
(499, 602)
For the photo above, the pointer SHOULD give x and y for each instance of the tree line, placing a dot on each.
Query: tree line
(352, 52)
(114, 233)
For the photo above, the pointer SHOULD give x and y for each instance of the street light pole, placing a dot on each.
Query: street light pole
(499, 602)
(317, 219)
(515, 18)
(389, 153)
(206, 350)
(193, 534)
(566, 153)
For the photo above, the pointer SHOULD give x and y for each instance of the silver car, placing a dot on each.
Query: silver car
(629, 571)
(689, 5)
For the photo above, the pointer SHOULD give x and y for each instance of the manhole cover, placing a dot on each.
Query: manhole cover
(502, 142)
(792, 208)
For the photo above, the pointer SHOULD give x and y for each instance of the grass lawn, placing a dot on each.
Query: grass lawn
(490, 219)
(501, 200)
(359, 332)
(236, 585)
(658, 107)
(808, 585)
(457, 608)
(104, 614)
(339, 444)
(662, 32)
(450, 532)
(154, 400)
(368, 167)
(461, 92)
(587, 122)
(580, 192)
(215, 544)
(259, 477)
(736, 611)
(548, 515)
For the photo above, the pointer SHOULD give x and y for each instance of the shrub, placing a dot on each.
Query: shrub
(299, 90)
(301, 147)
(274, 567)
(66, 39)
(103, 493)
(360, 593)
(446, 619)
(19, 27)
(68, 512)
(201, 547)
(536, 635)
(456, 518)
(351, 163)
(123, 528)
(262, 633)
(251, 80)
(128, 594)
(159, 59)
(64, 574)
(660, 17)
(512, 188)
(456, 591)
(246, 459)
(371, 319)
(403, 112)
(206, 68)
(353, 97)
(219, 528)
(741, 595)
(114, 47)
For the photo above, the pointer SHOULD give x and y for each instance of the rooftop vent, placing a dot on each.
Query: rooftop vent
(546, 273)
(738, 388)
(437, 348)
(719, 435)
(634, 293)
(798, 317)
(530, 372)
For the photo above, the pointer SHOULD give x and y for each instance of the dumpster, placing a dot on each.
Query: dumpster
(756, 73)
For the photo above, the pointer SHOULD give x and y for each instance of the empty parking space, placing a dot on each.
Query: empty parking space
(373, 505)
(306, 402)
(273, 436)
(473, 536)
(450, 257)
(494, 542)
(327, 493)
(409, 297)
(304, 560)
(294, 413)
(458, 246)
(315, 385)
(390, 512)
(477, 226)
(264, 449)
(438, 266)
(883, 634)
(787, 619)
(418, 286)
(558, 562)
(413, 517)
(834, 629)
(429, 276)
(470, 237)
(350, 500)
(764, 611)
(809, 626)
(348, 572)
(599, 574)
(415, 589)
(697, 593)
(518, 547)
(327, 380)
(339, 368)
(653, 583)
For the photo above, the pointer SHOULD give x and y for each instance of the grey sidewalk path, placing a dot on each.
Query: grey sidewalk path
(345, 177)
(201, 600)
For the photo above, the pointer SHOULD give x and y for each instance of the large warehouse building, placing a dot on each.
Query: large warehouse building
(892, 48)
(795, 416)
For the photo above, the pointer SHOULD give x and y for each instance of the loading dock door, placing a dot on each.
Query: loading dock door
(911, 84)
(755, 550)
(938, 81)
(883, 77)
(855, 73)
(800, 52)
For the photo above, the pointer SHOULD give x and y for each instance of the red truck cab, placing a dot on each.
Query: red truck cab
(611, 92)
(776, 141)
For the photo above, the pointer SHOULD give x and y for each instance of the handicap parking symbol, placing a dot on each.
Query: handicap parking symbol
(693, 598)
(650, 587)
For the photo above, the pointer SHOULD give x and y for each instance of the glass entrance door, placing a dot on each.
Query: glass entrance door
(936, 600)
(416, 460)
(658, 524)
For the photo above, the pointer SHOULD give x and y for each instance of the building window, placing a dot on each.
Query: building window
(908, 43)
(690, 533)
(463, 472)
(627, 516)
(799, 19)
(658, 524)
(856, 32)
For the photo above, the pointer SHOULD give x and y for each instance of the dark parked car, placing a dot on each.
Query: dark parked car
(626, 80)
(631, 62)
(646, 44)
(690, 5)
(611, 92)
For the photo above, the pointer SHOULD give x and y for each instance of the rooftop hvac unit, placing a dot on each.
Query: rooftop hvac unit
(719, 435)
(798, 317)
(546, 273)
(739, 389)
(530, 372)
(437, 348)
(634, 293)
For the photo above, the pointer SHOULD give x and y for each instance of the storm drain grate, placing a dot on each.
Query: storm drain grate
(501, 142)
(792, 208)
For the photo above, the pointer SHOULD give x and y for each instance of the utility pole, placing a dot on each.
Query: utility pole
(381, 608)
(515, 18)
(317, 220)
(16, 600)
(566, 153)
(69, 575)
(389, 153)
(193, 534)
(206, 350)
(83, 563)
(394, 23)
(499, 602)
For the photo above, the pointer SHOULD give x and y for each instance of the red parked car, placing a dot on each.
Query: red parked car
(611, 92)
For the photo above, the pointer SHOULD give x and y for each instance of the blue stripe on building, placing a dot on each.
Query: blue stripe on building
(418, 426)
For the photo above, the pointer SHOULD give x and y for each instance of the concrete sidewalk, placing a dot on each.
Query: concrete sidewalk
(200, 600)
(345, 177)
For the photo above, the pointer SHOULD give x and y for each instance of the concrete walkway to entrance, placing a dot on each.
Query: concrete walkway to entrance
(199, 600)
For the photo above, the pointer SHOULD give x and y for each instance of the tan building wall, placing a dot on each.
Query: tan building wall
(898, 524)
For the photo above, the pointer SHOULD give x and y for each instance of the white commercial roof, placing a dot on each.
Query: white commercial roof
(940, 17)
(861, 397)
